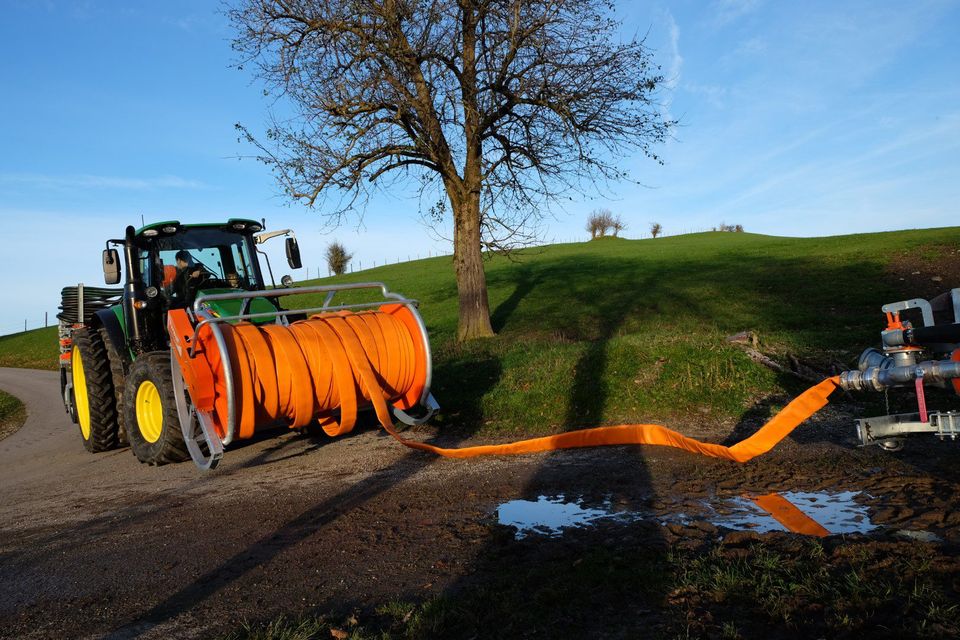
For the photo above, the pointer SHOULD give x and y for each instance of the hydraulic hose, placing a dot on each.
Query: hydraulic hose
(937, 334)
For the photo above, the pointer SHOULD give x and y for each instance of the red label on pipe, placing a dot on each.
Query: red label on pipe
(921, 399)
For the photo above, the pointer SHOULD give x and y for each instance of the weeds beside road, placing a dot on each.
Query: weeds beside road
(12, 414)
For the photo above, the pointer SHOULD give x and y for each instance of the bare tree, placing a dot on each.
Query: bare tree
(617, 225)
(655, 229)
(337, 258)
(497, 107)
(599, 222)
(732, 228)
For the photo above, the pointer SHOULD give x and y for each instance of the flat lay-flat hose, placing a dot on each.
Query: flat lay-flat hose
(344, 361)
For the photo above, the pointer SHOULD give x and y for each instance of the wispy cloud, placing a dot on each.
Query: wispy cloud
(675, 64)
(727, 11)
(88, 181)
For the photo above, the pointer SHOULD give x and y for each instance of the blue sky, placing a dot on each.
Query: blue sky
(801, 119)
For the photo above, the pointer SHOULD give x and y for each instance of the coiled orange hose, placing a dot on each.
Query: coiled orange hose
(343, 361)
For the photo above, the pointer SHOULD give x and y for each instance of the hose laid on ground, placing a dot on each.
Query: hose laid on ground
(338, 362)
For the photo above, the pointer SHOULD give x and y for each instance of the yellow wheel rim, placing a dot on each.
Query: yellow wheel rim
(80, 398)
(149, 411)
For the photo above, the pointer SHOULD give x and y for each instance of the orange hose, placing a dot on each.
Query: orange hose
(342, 361)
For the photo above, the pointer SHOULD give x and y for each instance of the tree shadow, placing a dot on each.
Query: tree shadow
(308, 522)
(525, 283)
(588, 582)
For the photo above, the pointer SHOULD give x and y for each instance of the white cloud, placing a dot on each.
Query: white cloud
(727, 11)
(87, 181)
(675, 65)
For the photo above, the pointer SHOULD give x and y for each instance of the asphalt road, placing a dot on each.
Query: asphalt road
(102, 546)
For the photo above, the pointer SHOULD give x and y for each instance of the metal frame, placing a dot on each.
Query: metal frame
(926, 311)
(202, 312)
(882, 429)
(197, 426)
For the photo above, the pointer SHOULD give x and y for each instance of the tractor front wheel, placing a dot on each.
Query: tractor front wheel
(150, 411)
(93, 396)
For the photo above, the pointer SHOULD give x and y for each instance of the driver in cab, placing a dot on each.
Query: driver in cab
(188, 274)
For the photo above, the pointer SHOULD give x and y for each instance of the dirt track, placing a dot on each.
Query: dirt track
(101, 546)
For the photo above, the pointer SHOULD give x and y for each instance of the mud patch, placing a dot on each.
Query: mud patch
(926, 271)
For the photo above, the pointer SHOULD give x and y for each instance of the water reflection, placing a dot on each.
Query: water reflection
(819, 513)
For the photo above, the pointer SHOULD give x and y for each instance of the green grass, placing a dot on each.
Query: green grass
(621, 330)
(633, 330)
(792, 588)
(35, 349)
(12, 414)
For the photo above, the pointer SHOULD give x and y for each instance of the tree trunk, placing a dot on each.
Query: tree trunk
(474, 321)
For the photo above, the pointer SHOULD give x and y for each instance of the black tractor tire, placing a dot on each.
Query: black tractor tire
(118, 373)
(157, 439)
(96, 399)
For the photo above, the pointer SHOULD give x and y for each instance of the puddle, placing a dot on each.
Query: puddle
(833, 512)
(810, 513)
(548, 516)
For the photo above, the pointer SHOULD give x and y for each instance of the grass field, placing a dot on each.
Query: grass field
(619, 330)
(12, 414)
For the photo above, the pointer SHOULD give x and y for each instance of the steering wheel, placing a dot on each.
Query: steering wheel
(194, 283)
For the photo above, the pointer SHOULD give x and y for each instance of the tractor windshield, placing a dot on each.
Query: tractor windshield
(199, 258)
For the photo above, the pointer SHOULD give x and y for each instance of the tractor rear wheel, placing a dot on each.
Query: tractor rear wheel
(150, 411)
(118, 372)
(93, 395)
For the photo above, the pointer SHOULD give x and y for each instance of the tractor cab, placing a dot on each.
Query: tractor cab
(168, 265)
(197, 259)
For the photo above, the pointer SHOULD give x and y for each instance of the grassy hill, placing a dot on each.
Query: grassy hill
(634, 330)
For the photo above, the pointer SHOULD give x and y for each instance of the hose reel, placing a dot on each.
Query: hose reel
(233, 377)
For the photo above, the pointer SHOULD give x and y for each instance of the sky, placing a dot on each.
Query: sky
(795, 119)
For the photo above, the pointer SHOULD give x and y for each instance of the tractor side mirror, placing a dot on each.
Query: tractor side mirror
(293, 253)
(111, 266)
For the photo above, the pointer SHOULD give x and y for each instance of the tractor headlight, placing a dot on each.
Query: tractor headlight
(150, 233)
(151, 292)
(170, 229)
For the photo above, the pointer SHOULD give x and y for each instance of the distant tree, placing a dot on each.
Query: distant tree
(655, 229)
(337, 258)
(617, 225)
(496, 108)
(600, 222)
(733, 228)
(593, 225)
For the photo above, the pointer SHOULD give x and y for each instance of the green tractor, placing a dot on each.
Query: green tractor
(115, 367)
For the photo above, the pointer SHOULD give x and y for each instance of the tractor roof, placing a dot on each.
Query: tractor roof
(240, 225)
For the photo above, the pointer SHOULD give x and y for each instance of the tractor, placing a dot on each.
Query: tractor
(155, 364)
